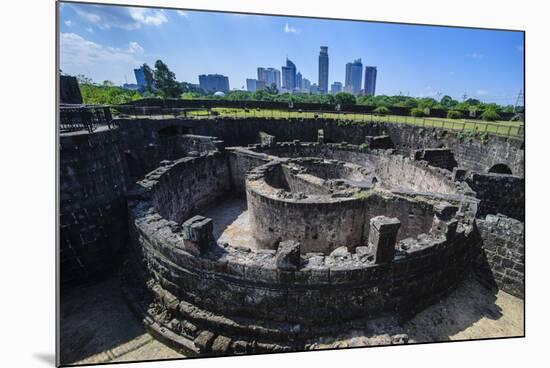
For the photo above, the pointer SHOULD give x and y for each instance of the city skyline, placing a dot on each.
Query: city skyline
(108, 42)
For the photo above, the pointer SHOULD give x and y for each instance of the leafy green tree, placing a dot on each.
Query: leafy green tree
(344, 98)
(272, 89)
(165, 80)
(490, 114)
(381, 110)
(417, 112)
(448, 102)
(454, 114)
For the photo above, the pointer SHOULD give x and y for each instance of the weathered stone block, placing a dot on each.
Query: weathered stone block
(320, 136)
(288, 255)
(221, 345)
(197, 234)
(382, 238)
(204, 340)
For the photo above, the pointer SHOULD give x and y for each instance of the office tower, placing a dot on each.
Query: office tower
(335, 88)
(299, 81)
(306, 85)
(253, 85)
(140, 77)
(270, 76)
(214, 83)
(289, 76)
(354, 74)
(323, 70)
(370, 80)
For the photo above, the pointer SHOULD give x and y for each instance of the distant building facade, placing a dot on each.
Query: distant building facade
(306, 85)
(314, 89)
(370, 80)
(270, 76)
(323, 70)
(335, 88)
(299, 81)
(289, 76)
(253, 85)
(140, 77)
(354, 76)
(214, 83)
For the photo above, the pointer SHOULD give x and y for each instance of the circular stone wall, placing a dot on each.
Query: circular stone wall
(317, 202)
(240, 300)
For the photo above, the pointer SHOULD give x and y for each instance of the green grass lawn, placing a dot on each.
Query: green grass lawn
(506, 128)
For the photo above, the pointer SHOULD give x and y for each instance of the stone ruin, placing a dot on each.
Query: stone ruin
(335, 234)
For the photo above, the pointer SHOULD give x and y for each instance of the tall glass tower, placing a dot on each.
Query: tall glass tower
(370, 80)
(323, 70)
(289, 75)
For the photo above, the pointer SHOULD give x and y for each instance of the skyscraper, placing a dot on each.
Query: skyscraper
(253, 85)
(289, 75)
(323, 70)
(214, 82)
(306, 85)
(299, 81)
(270, 76)
(335, 88)
(140, 77)
(370, 80)
(354, 75)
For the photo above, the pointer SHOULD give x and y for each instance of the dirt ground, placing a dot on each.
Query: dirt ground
(98, 327)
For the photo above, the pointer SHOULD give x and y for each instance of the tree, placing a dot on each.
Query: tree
(417, 112)
(165, 80)
(454, 114)
(490, 114)
(344, 98)
(381, 110)
(447, 101)
(272, 89)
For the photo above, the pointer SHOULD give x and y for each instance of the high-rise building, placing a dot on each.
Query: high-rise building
(214, 83)
(314, 89)
(306, 85)
(253, 85)
(323, 70)
(270, 76)
(289, 76)
(299, 81)
(140, 77)
(370, 80)
(335, 88)
(354, 76)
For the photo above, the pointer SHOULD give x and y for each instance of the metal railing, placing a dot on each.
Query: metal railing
(84, 117)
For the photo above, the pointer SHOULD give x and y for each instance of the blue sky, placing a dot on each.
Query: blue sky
(107, 42)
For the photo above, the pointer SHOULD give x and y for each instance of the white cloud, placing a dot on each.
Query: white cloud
(68, 23)
(290, 29)
(78, 51)
(482, 92)
(148, 16)
(135, 48)
(477, 56)
(182, 13)
(105, 17)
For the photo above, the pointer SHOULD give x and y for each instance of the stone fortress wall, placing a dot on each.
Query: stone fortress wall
(189, 168)
(262, 300)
